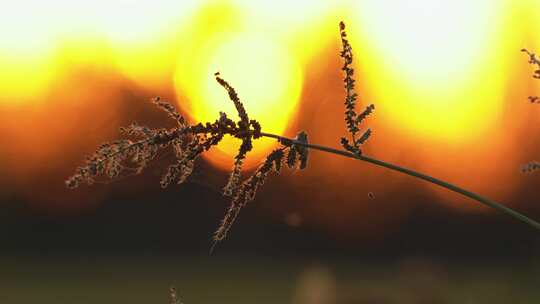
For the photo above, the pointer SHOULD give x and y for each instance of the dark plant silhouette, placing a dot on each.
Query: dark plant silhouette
(190, 141)
(532, 166)
(352, 119)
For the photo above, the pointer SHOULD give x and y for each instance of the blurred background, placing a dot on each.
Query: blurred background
(450, 88)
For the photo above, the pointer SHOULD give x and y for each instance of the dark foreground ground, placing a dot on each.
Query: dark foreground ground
(270, 280)
(132, 247)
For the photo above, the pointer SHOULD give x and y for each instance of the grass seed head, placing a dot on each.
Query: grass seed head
(189, 141)
(534, 165)
(531, 167)
(352, 118)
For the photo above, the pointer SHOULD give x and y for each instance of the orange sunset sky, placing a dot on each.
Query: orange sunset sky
(447, 78)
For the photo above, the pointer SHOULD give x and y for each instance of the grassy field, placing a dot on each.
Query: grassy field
(220, 280)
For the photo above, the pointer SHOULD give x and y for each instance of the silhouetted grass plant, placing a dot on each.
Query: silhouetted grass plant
(190, 141)
(532, 166)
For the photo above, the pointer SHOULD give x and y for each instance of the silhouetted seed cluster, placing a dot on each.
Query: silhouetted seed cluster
(352, 118)
(297, 156)
(531, 167)
(534, 165)
(109, 159)
(533, 60)
(534, 99)
(247, 190)
(188, 143)
(112, 159)
(182, 169)
(244, 192)
(244, 133)
(171, 110)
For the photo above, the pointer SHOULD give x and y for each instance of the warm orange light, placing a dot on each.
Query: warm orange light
(440, 72)
(21, 81)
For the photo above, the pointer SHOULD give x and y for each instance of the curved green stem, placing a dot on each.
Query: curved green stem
(516, 215)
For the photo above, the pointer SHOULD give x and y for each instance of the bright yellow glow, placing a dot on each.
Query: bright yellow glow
(25, 45)
(305, 26)
(267, 80)
(143, 39)
(35, 25)
(20, 81)
(442, 73)
(428, 66)
(33, 31)
(262, 49)
(294, 14)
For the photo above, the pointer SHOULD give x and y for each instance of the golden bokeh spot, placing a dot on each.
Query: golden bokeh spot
(426, 65)
(22, 80)
(35, 35)
(266, 78)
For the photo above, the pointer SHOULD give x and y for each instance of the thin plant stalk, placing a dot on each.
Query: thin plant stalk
(190, 141)
(508, 211)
